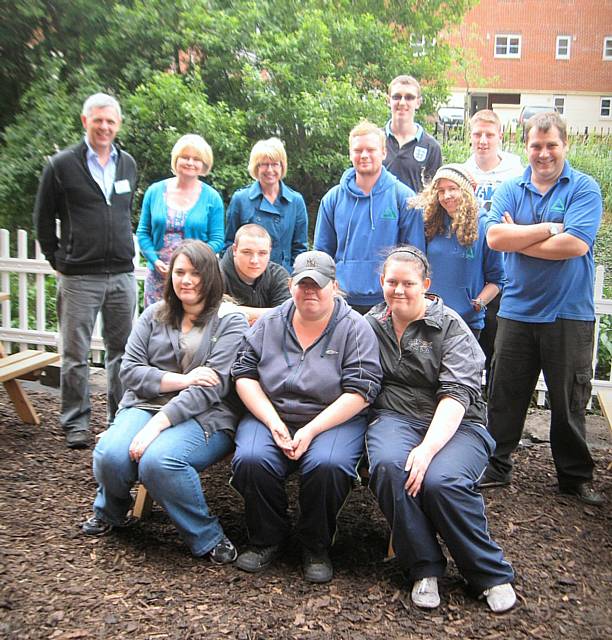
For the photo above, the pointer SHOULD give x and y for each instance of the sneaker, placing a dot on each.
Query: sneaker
(97, 527)
(224, 552)
(425, 593)
(257, 558)
(584, 493)
(317, 566)
(500, 598)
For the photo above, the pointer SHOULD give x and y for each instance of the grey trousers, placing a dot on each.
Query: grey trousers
(79, 299)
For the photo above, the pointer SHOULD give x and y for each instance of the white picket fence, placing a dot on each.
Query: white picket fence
(40, 336)
(36, 270)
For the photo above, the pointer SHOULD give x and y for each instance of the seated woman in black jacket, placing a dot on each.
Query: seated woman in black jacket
(427, 443)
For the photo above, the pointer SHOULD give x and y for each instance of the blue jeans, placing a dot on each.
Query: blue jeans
(169, 470)
(327, 470)
(448, 504)
(79, 299)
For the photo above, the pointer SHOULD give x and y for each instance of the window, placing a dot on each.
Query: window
(563, 47)
(508, 46)
(419, 45)
(559, 104)
(605, 107)
(607, 48)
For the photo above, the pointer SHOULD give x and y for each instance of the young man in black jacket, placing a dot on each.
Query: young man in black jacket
(90, 188)
(254, 282)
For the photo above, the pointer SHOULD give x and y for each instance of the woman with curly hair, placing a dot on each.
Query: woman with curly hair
(466, 274)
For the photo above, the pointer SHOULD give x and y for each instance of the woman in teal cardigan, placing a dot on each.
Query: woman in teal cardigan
(179, 208)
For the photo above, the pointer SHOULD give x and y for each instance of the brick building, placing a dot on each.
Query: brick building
(555, 53)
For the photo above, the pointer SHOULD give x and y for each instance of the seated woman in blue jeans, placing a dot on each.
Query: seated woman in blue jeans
(174, 418)
(427, 442)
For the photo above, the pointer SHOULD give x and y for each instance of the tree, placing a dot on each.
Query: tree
(234, 72)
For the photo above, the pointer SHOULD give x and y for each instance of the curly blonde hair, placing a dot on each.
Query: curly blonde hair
(465, 222)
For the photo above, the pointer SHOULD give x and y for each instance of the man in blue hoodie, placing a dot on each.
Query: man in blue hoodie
(364, 216)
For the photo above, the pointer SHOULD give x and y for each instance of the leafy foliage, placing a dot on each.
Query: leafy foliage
(234, 72)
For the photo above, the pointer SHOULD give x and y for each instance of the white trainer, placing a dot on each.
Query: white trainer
(425, 593)
(500, 598)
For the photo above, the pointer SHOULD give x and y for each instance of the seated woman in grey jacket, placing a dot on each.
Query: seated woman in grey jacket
(174, 418)
(306, 371)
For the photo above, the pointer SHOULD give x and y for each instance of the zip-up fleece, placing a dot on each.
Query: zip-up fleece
(96, 237)
(153, 349)
(356, 228)
(439, 357)
(300, 384)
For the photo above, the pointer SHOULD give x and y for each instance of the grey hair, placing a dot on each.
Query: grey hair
(99, 101)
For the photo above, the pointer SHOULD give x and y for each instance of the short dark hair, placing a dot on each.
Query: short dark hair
(205, 263)
(545, 122)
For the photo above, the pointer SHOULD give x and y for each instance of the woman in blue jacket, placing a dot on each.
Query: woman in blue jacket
(466, 273)
(270, 203)
(179, 208)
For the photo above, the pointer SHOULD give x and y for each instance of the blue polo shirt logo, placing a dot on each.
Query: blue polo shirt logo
(389, 214)
(558, 206)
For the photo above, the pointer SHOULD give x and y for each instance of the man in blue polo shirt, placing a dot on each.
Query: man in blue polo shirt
(413, 155)
(546, 222)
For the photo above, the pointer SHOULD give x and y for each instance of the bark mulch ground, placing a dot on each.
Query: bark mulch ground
(142, 582)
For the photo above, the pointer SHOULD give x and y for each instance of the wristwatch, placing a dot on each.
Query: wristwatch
(554, 229)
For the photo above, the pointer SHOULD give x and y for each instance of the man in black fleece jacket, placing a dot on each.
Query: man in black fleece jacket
(255, 283)
(90, 188)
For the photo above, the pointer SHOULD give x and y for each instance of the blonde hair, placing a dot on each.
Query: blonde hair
(199, 145)
(271, 150)
(486, 115)
(406, 80)
(365, 128)
(464, 224)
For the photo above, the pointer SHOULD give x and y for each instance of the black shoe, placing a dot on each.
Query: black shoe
(490, 480)
(78, 439)
(317, 566)
(584, 492)
(257, 558)
(97, 527)
(224, 553)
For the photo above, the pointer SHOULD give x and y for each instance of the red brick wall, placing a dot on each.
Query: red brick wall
(539, 22)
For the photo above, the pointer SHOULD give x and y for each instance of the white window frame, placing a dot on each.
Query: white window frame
(418, 45)
(607, 99)
(607, 48)
(507, 37)
(560, 111)
(558, 54)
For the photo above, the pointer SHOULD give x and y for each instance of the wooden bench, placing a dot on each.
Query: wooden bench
(25, 365)
(604, 396)
(144, 502)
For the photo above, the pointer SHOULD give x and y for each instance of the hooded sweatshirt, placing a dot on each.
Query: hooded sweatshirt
(357, 228)
(301, 383)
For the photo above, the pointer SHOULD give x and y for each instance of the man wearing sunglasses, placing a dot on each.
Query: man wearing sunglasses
(413, 155)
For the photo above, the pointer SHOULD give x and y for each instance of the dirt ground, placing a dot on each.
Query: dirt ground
(142, 583)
